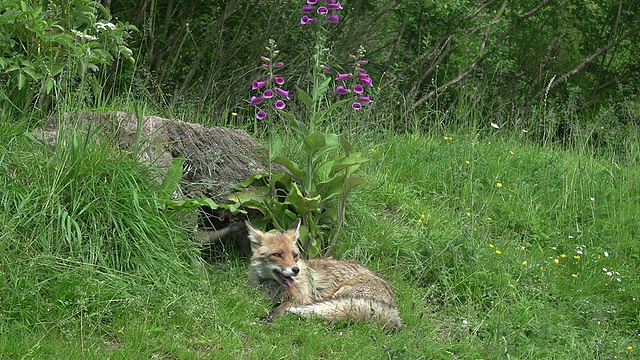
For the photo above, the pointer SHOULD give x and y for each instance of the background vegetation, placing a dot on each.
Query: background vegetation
(501, 200)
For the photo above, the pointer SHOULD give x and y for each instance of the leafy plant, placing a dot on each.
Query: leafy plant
(47, 50)
(316, 186)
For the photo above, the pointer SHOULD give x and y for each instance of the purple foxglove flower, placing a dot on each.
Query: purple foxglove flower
(364, 62)
(264, 58)
(342, 76)
(265, 66)
(322, 10)
(307, 20)
(255, 100)
(334, 5)
(333, 19)
(356, 106)
(306, 9)
(279, 105)
(278, 80)
(268, 94)
(312, 2)
(261, 115)
(283, 93)
(341, 90)
(278, 64)
(258, 84)
(326, 68)
(364, 99)
(358, 89)
(366, 81)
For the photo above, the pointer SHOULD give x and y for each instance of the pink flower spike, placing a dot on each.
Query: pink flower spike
(283, 93)
(333, 19)
(279, 105)
(261, 115)
(356, 106)
(358, 89)
(278, 80)
(258, 84)
(322, 10)
(306, 9)
(268, 94)
(341, 90)
(364, 99)
(255, 100)
(342, 76)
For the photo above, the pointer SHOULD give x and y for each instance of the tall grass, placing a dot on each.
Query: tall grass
(82, 241)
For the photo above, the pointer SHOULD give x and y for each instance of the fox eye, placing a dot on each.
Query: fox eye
(278, 255)
(296, 256)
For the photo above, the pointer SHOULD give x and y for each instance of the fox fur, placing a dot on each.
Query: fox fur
(330, 289)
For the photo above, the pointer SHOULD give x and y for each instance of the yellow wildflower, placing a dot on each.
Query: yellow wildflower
(491, 246)
(448, 138)
(557, 261)
(467, 162)
(498, 252)
(499, 184)
(563, 256)
(525, 263)
(512, 153)
(234, 114)
(574, 276)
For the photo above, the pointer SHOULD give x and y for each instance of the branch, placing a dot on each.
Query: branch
(587, 61)
(485, 55)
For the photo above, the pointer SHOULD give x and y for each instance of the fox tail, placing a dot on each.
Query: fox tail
(351, 309)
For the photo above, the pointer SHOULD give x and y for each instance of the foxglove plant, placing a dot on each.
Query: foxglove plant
(316, 186)
(264, 87)
(357, 81)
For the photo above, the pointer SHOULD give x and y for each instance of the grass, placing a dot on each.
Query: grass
(496, 247)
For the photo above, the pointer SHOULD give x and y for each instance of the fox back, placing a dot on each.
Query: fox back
(331, 289)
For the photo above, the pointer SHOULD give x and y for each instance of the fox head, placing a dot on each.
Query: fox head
(275, 255)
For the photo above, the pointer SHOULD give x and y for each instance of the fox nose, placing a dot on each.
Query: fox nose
(295, 270)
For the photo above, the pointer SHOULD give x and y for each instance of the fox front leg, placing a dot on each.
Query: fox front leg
(278, 311)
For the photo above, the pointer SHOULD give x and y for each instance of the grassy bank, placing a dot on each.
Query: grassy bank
(496, 247)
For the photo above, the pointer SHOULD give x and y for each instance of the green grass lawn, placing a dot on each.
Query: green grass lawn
(496, 248)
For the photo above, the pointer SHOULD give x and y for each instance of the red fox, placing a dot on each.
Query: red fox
(326, 288)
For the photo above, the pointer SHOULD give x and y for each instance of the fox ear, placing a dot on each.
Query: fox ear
(254, 235)
(295, 228)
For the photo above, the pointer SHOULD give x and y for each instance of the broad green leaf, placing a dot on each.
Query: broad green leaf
(291, 166)
(314, 142)
(348, 161)
(172, 179)
(304, 205)
(346, 145)
(250, 180)
(21, 80)
(306, 99)
(353, 182)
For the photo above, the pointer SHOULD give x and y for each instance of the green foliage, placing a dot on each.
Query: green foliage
(48, 48)
(89, 203)
(472, 264)
(315, 190)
